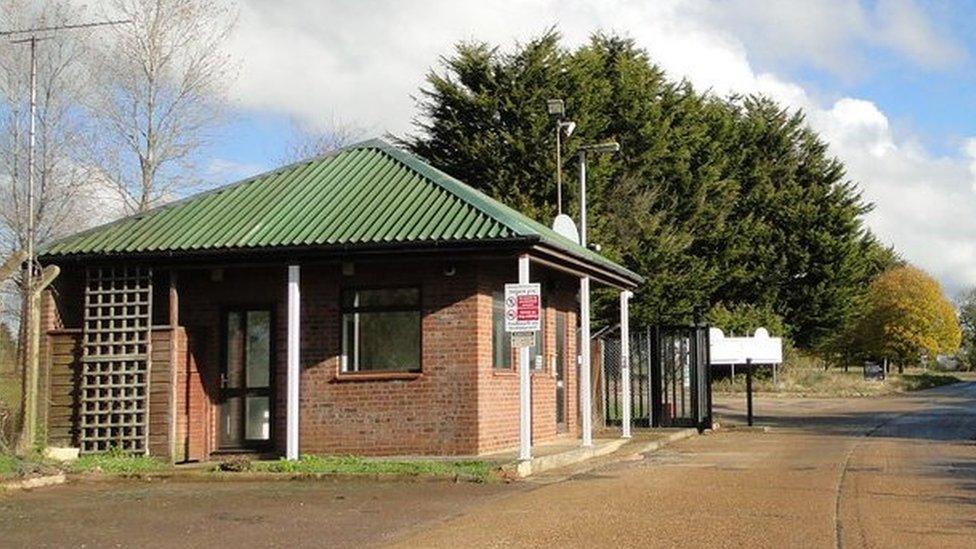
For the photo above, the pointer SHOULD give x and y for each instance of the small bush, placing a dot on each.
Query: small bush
(235, 464)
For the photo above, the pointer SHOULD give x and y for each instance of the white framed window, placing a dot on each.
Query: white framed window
(381, 330)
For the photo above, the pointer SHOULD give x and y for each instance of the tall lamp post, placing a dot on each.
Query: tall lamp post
(557, 109)
(586, 405)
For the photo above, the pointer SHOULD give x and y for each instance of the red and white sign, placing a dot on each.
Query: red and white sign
(523, 304)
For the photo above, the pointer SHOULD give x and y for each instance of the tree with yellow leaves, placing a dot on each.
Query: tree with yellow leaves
(907, 316)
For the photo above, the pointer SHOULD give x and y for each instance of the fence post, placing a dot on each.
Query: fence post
(625, 360)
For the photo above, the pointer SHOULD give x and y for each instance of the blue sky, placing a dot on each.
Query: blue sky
(889, 84)
(934, 103)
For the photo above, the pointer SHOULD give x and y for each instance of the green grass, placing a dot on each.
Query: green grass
(9, 407)
(815, 382)
(924, 380)
(479, 471)
(13, 467)
(9, 466)
(116, 462)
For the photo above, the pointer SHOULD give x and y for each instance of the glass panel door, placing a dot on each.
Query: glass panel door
(560, 371)
(246, 394)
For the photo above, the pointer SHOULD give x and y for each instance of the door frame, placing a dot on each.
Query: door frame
(562, 371)
(249, 445)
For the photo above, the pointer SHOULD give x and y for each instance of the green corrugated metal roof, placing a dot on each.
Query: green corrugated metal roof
(368, 194)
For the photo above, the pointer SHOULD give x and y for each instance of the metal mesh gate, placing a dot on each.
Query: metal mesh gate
(116, 360)
(640, 406)
(681, 391)
(669, 377)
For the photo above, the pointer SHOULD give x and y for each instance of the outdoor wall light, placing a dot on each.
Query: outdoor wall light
(556, 107)
(450, 270)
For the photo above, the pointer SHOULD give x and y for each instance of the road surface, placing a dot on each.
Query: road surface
(875, 472)
(878, 472)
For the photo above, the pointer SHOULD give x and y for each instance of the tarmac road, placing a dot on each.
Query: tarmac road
(879, 472)
(873, 472)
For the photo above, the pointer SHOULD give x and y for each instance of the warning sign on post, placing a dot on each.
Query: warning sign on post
(522, 307)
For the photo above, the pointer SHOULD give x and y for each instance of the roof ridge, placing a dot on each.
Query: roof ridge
(127, 234)
(468, 194)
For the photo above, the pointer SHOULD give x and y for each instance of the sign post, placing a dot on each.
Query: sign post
(523, 315)
(523, 312)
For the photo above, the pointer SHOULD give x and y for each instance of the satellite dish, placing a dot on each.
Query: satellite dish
(564, 226)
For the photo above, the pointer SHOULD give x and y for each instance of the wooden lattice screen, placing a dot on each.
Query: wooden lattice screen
(116, 360)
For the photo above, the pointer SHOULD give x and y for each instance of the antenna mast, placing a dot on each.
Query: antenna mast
(27, 323)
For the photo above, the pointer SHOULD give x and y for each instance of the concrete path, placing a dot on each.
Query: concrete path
(879, 472)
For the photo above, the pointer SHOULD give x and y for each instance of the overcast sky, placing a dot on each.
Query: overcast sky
(890, 84)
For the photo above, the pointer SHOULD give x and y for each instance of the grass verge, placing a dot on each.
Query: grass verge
(478, 471)
(815, 382)
(116, 462)
(924, 380)
(13, 467)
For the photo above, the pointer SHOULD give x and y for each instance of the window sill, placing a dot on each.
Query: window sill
(514, 373)
(377, 376)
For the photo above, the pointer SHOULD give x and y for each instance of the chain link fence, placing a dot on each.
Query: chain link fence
(612, 379)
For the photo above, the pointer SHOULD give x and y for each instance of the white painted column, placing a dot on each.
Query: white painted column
(625, 359)
(586, 412)
(525, 381)
(294, 359)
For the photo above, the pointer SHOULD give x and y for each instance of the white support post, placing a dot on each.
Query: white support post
(625, 359)
(525, 381)
(586, 411)
(294, 359)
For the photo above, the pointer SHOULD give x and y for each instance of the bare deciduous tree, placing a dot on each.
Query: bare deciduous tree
(161, 77)
(63, 184)
(307, 142)
(62, 175)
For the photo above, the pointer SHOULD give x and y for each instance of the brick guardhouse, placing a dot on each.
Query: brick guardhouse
(354, 300)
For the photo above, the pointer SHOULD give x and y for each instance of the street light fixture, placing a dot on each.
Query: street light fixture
(557, 109)
(586, 405)
(606, 147)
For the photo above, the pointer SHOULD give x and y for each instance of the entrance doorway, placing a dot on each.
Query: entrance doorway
(560, 371)
(246, 380)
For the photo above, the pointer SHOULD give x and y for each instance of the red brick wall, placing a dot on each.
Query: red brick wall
(204, 296)
(498, 406)
(458, 405)
(194, 411)
(434, 413)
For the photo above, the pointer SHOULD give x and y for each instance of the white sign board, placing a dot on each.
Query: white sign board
(758, 349)
(523, 339)
(523, 304)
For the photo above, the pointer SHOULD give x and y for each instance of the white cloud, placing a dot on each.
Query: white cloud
(831, 34)
(362, 61)
(221, 169)
(970, 148)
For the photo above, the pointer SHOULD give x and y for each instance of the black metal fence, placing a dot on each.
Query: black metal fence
(670, 383)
